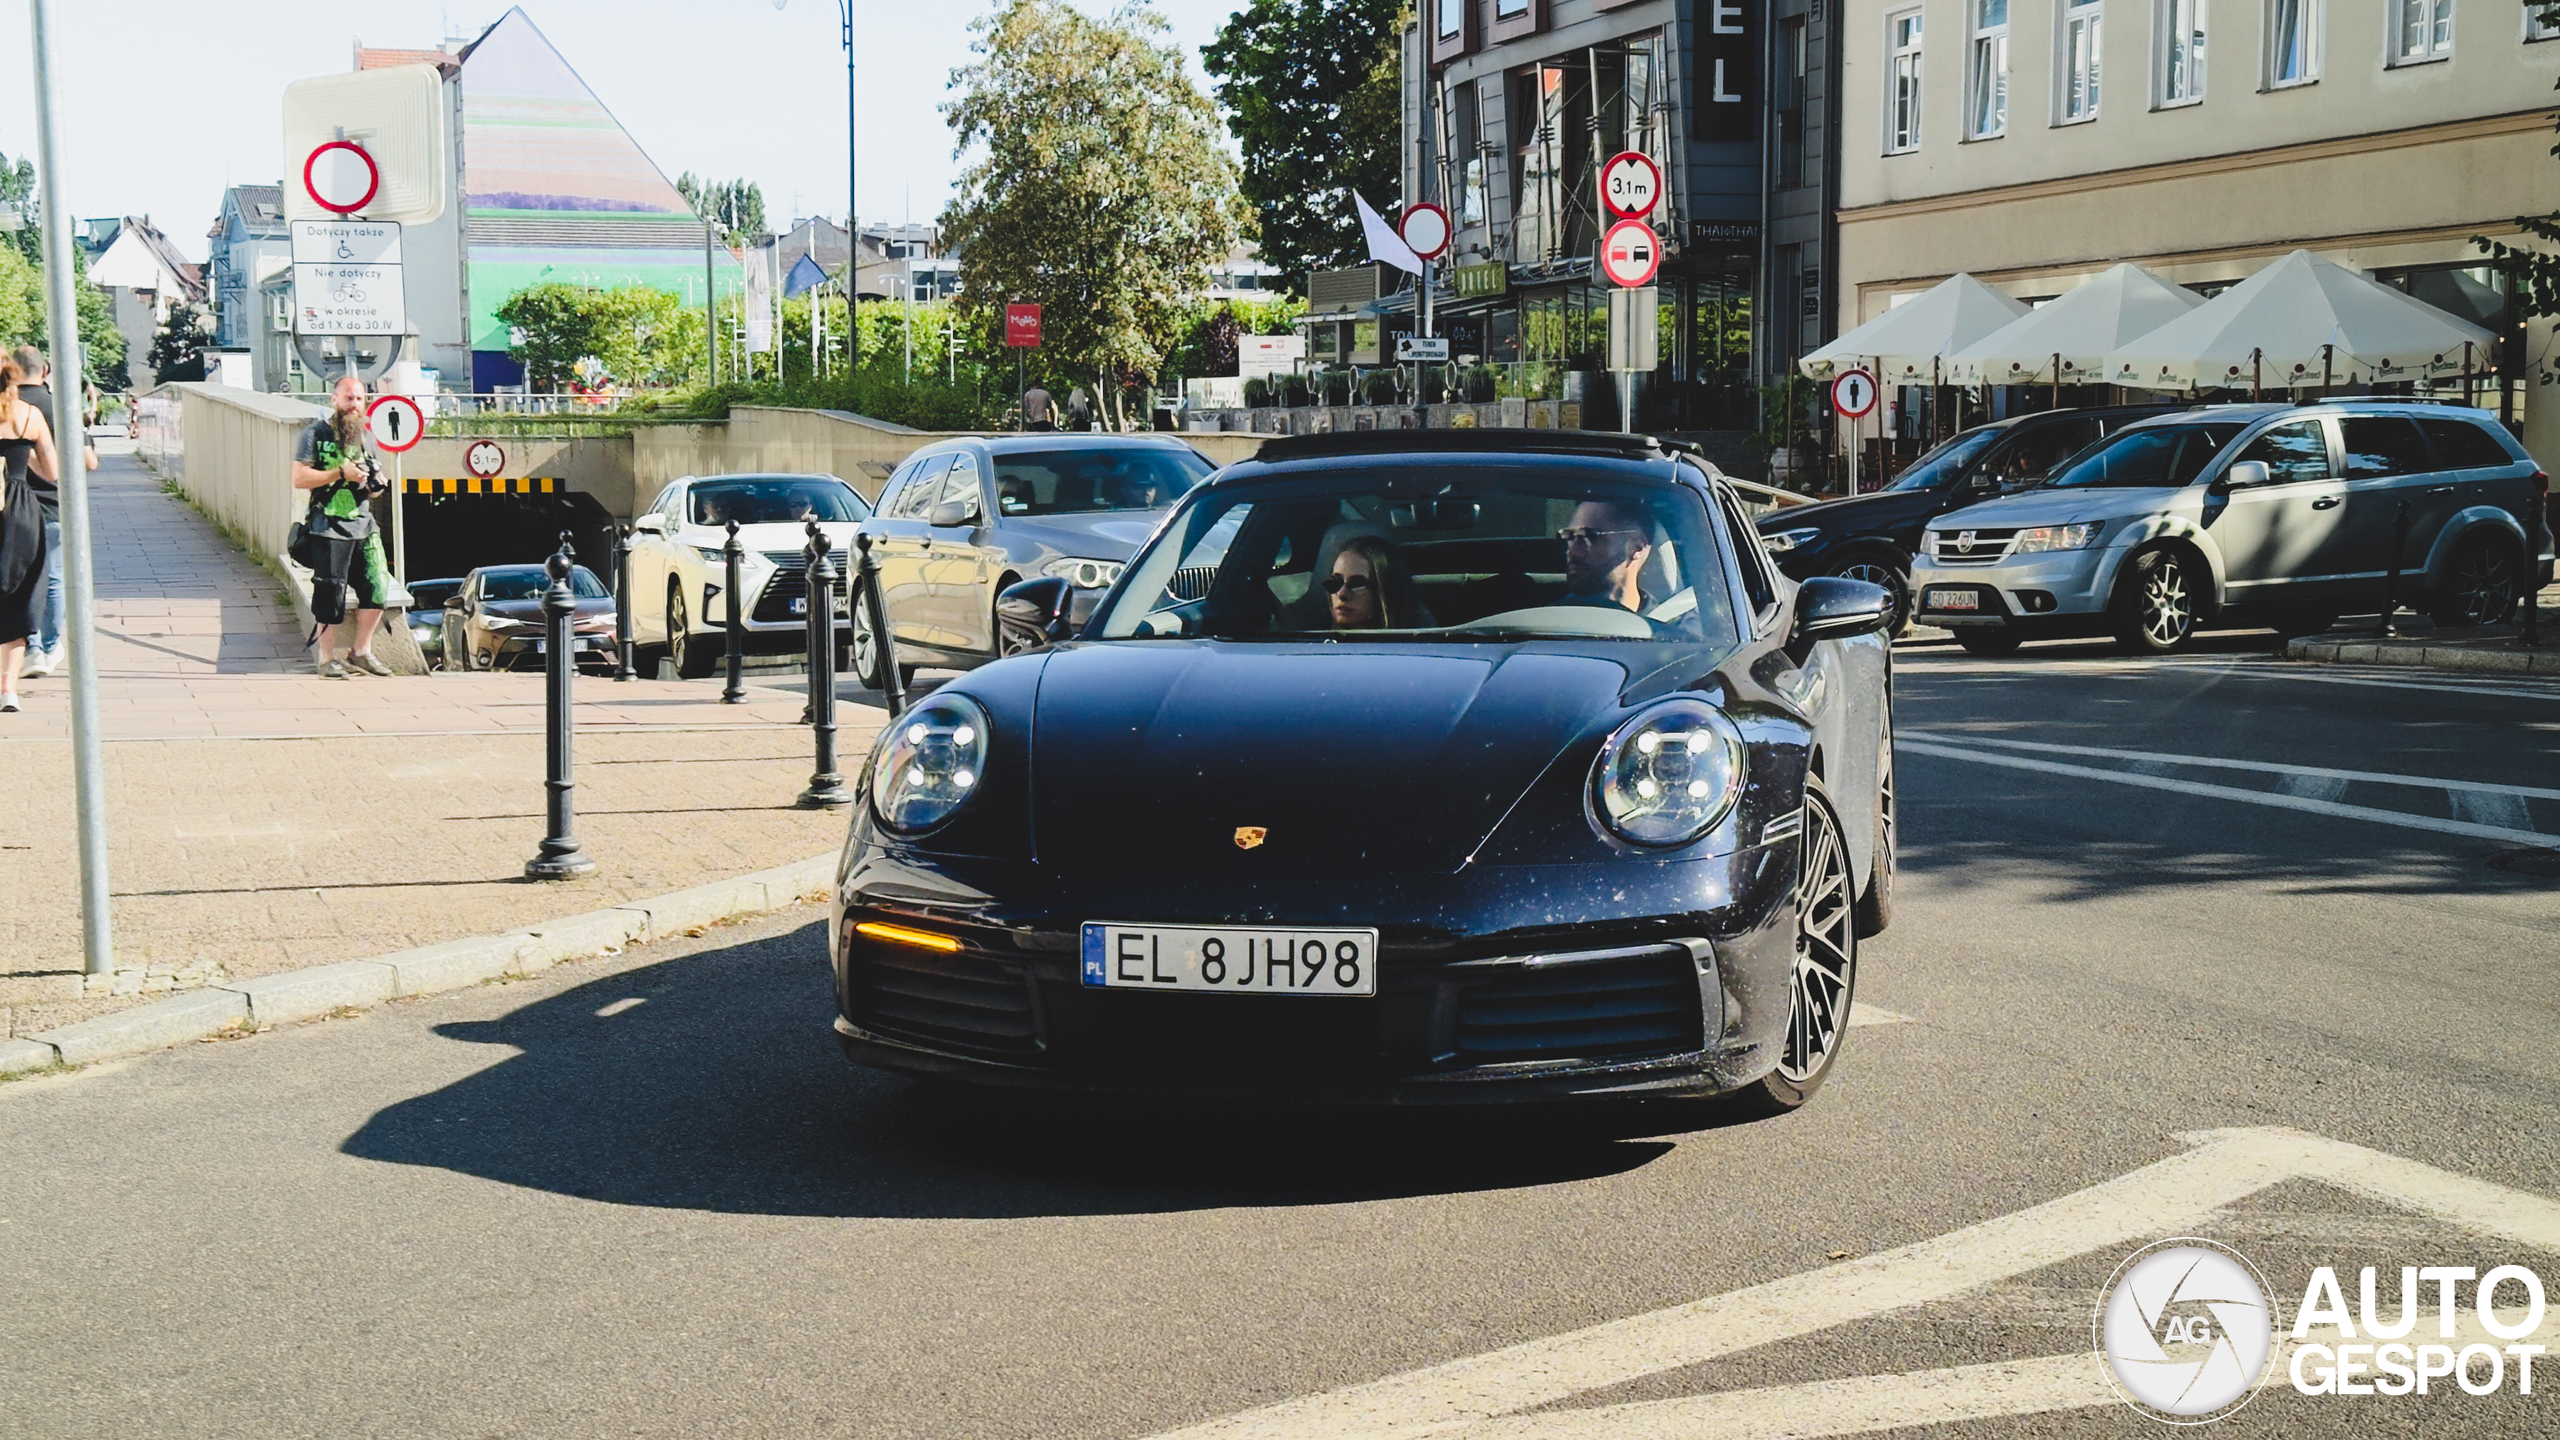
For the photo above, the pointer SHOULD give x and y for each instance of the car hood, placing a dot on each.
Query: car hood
(767, 539)
(1099, 535)
(2059, 507)
(1351, 759)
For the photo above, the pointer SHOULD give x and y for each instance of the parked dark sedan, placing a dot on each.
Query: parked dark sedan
(496, 622)
(1397, 767)
(962, 520)
(1873, 537)
(426, 615)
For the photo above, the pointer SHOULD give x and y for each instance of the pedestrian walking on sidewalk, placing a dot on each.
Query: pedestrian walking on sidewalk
(44, 648)
(26, 452)
(341, 544)
(1037, 411)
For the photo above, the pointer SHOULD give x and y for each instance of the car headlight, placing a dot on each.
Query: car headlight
(1668, 775)
(712, 554)
(501, 622)
(1780, 542)
(1084, 574)
(929, 763)
(2055, 537)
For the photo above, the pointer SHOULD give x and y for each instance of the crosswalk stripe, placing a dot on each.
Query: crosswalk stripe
(2263, 767)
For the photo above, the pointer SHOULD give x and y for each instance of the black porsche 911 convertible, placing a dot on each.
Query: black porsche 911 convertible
(1402, 767)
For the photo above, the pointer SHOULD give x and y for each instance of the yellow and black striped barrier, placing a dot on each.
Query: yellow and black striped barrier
(474, 485)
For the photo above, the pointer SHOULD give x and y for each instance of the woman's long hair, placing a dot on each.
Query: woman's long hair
(1386, 580)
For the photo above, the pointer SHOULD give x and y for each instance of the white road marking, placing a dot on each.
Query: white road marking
(2312, 787)
(2231, 792)
(628, 1002)
(1863, 1013)
(2170, 1197)
(2261, 767)
(2438, 682)
(2488, 807)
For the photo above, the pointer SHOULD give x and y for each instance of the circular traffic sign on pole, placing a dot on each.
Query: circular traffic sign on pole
(484, 458)
(1629, 254)
(396, 422)
(340, 176)
(1425, 227)
(1631, 184)
(1853, 393)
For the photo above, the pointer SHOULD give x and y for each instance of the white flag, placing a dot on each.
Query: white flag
(759, 303)
(1386, 247)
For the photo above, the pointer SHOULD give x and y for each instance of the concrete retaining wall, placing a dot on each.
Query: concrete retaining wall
(599, 465)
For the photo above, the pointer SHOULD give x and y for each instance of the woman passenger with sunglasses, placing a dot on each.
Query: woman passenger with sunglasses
(1358, 592)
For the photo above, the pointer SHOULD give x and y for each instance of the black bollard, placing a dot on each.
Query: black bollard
(2391, 577)
(622, 602)
(734, 554)
(826, 786)
(886, 647)
(560, 856)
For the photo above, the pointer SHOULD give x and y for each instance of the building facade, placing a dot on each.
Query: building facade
(1511, 109)
(144, 277)
(2033, 143)
(248, 246)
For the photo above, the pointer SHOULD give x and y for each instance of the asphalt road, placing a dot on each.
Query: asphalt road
(644, 1196)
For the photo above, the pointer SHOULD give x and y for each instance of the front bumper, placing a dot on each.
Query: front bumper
(517, 650)
(2053, 591)
(1624, 980)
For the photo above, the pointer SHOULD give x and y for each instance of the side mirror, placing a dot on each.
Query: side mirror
(1829, 607)
(650, 524)
(952, 515)
(454, 604)
(1032, 614)
(1980, 482)
(2240, 475)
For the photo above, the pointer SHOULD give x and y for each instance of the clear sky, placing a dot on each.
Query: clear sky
(169, 101)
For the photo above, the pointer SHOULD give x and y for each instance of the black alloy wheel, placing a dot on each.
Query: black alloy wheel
(693, 659)
(1895, 580)
(1988, 640)
(2481, 583)
(2155, 609)
(1823, 982)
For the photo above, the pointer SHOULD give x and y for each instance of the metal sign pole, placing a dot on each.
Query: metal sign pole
(399, 529)
(79, 590)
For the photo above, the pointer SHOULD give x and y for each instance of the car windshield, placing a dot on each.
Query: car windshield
(431, 594)
(1940, 465)
(2152, 457)
(1074, 482)
(774, 502)
(527, 582)
(1487, 552)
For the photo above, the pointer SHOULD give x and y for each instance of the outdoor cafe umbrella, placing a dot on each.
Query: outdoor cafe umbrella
(2299, 319)
(2068, 338)
(1909, 344)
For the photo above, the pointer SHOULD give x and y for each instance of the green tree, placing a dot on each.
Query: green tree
(642, 336)
(22, 297)
(177, 347)
(1102, 193)
(736, 206)
(1311, 92)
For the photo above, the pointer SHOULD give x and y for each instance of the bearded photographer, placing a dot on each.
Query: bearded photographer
(341, 544)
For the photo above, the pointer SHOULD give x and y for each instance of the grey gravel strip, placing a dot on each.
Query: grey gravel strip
(2492, 659)
(320, 990)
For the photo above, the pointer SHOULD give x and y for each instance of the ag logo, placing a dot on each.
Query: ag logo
(2186, 1331)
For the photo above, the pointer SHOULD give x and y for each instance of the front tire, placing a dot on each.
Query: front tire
(2482, 583)
(1824, 980)
(2155, 609)
(693, 659)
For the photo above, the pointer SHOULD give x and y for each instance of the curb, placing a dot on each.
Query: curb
(2473, 656)
(310, 993)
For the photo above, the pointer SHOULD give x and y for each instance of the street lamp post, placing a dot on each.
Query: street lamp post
(852, 201)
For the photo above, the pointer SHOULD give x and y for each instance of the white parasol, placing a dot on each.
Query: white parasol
(2301, 321)
(2067, 339)
(1909, 344)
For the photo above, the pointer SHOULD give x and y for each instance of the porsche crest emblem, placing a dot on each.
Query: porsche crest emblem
(1249, 836)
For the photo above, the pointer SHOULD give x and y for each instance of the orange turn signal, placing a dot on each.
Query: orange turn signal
(901, 935)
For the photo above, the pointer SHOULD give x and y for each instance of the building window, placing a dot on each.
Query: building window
(2181, 51)
(1469, 142)
(2076, 87)
(2293, 42)
(1453, 19)
(1987, 84)
(1790, 108)
(1902, 82)
(2541, 23)
(1510, 9)
(2421, 30)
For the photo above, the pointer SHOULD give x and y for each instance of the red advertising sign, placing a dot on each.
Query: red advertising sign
(1022, 326)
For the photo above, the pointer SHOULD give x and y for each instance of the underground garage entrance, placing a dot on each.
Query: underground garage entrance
(451, 530)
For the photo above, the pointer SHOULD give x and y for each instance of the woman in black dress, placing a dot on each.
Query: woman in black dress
(26, 443)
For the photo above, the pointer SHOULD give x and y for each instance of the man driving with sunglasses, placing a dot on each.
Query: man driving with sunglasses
(1605, 547)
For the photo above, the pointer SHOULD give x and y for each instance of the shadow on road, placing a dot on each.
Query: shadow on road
(722, 1090)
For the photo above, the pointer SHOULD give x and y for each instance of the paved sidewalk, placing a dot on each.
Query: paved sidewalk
(2485, 649)
(261, 818)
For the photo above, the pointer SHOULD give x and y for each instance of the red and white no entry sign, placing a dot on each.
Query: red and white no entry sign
(1631, 184)
(1853, 393)
(396, 423)
(1629, 253)
(339, 175)
(1425, 227)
